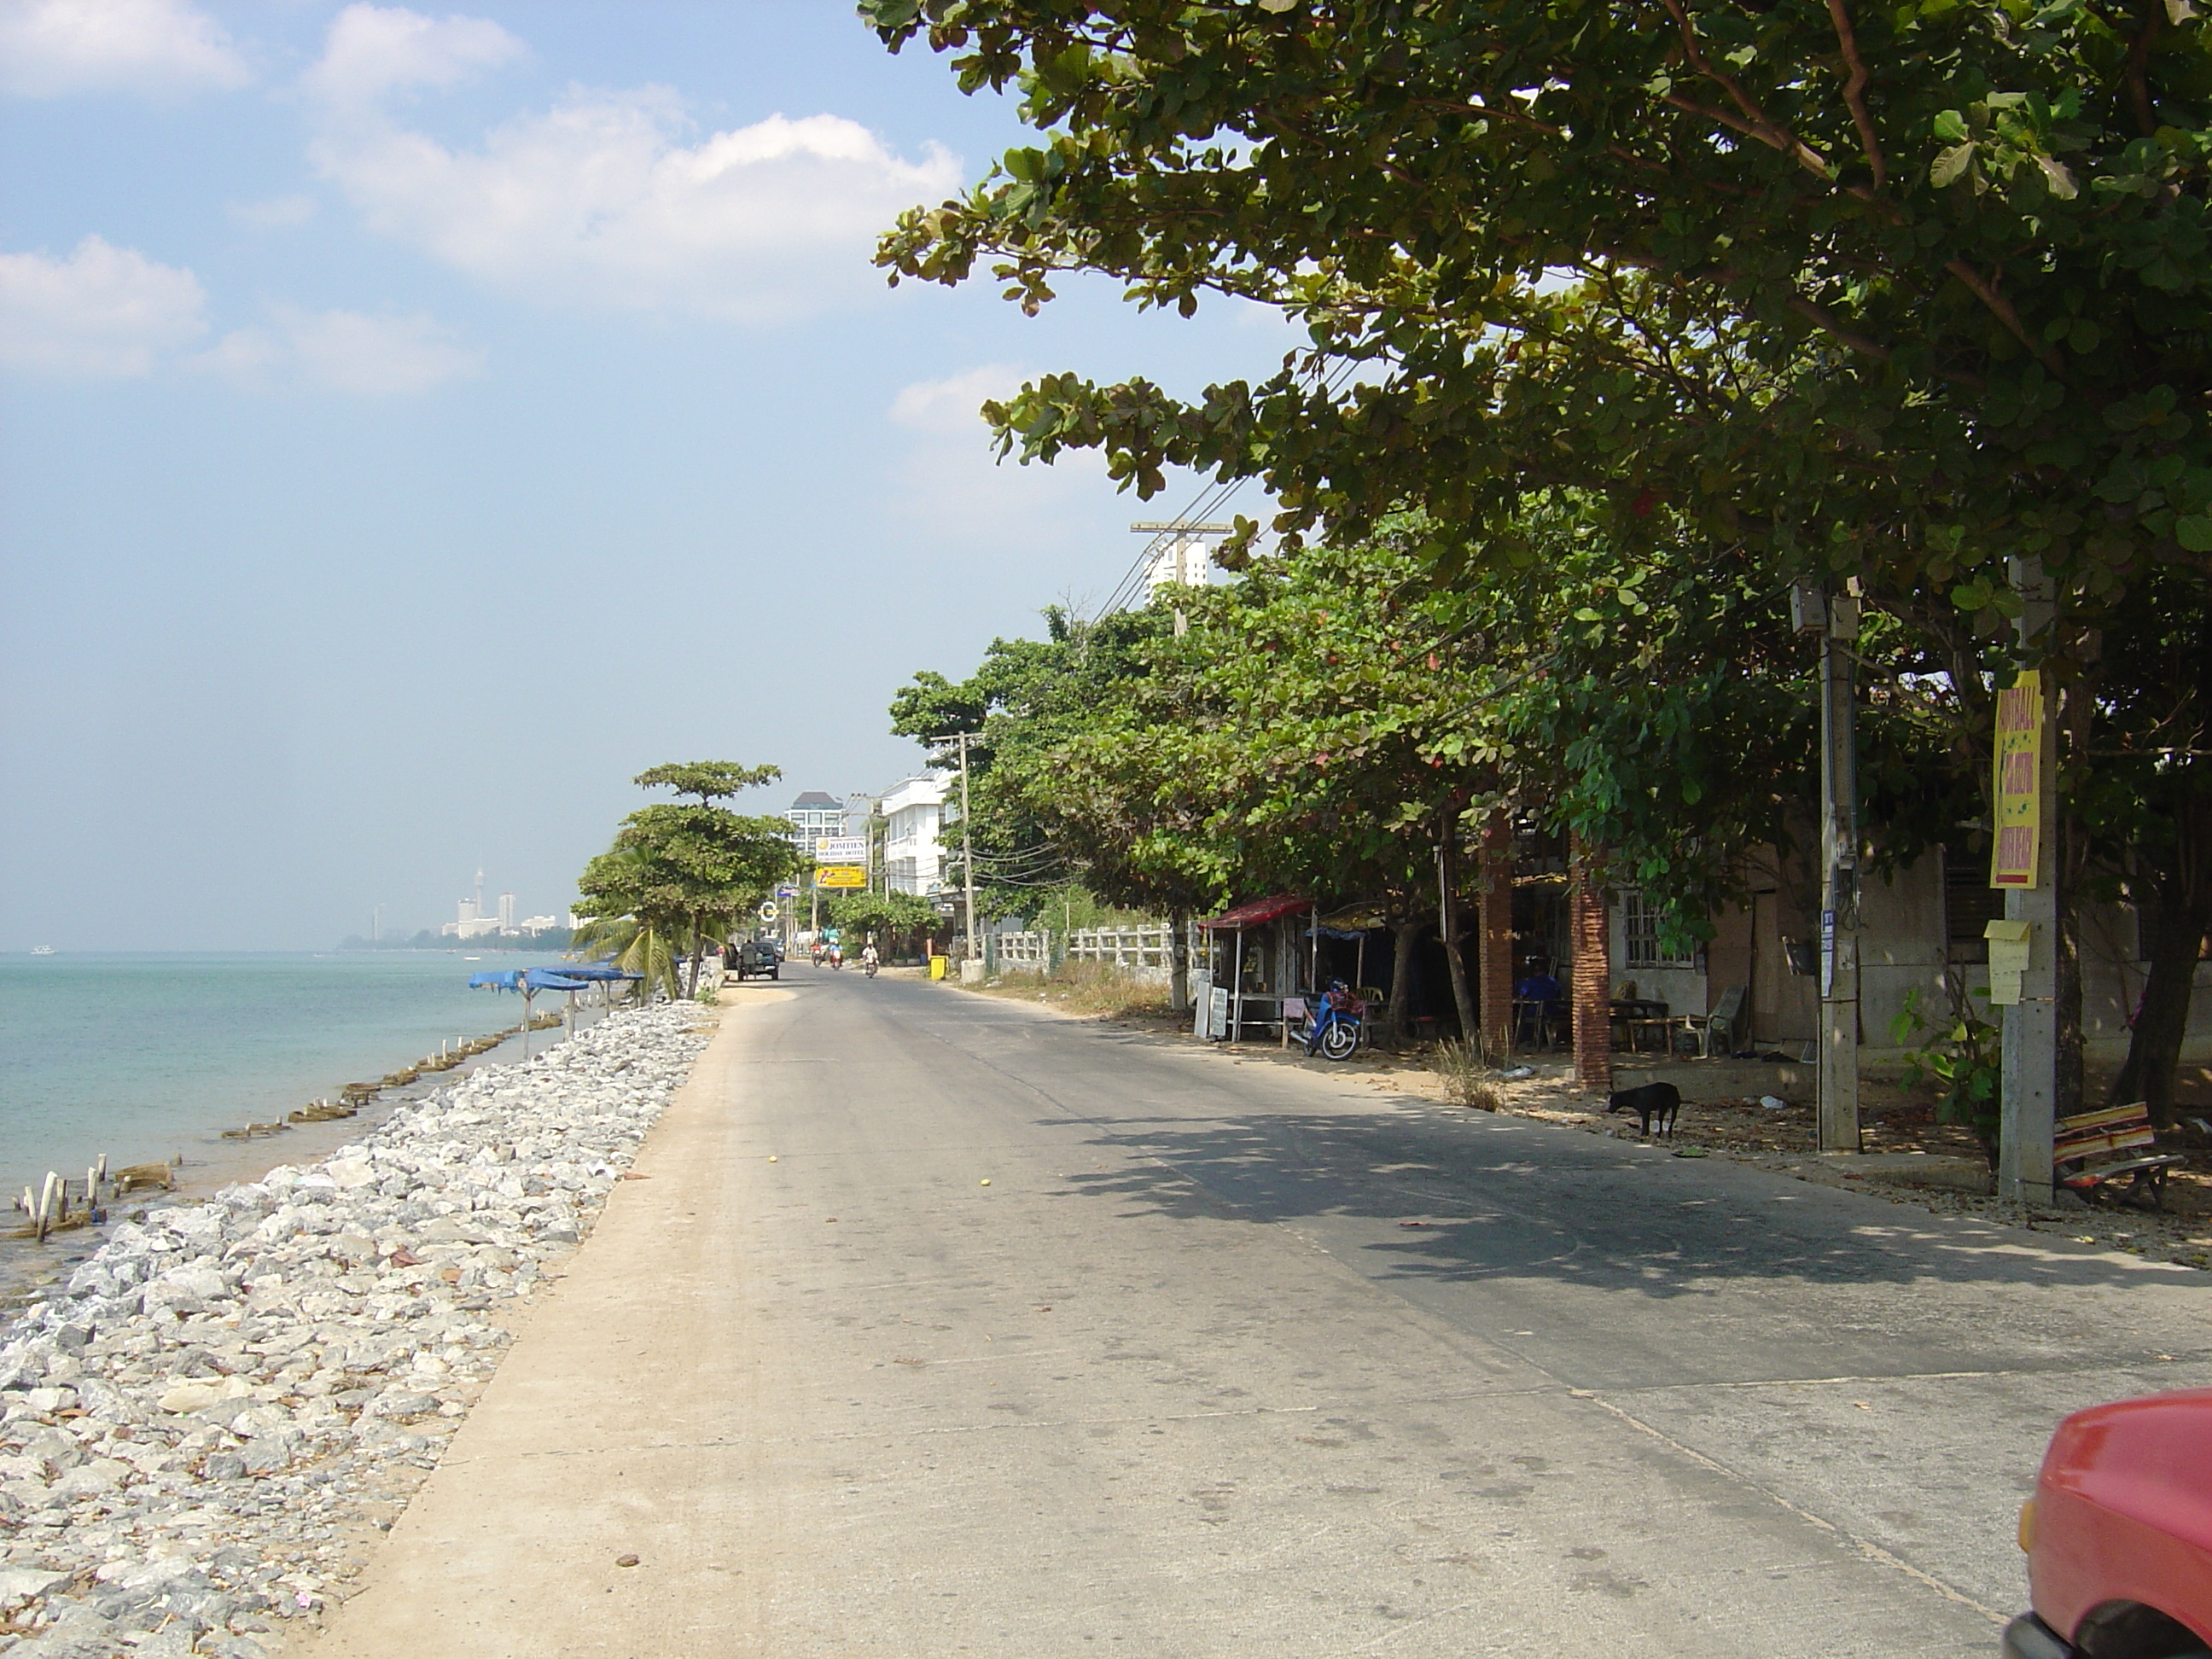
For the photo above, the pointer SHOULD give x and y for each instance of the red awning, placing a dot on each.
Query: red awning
(1260, 910)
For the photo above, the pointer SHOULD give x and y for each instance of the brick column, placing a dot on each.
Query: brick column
(1494, 935)
(1593, 973)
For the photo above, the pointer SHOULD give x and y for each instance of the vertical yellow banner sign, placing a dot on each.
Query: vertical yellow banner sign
(2015, 861)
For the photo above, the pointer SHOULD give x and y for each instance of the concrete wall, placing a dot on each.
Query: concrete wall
(1904, 948)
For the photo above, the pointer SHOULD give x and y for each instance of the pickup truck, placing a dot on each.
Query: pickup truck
(2118, 1535)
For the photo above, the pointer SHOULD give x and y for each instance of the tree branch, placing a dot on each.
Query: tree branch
(1763, 127)
(1855, 91)
(1988, 293)
(2137, 71)
(1822, 318)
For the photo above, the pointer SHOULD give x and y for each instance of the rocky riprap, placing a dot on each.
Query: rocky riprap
(199, 1430)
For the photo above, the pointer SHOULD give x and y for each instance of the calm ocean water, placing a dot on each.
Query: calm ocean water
(138, 1055)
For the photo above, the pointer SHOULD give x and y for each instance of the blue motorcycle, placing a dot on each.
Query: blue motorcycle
(1335, 1028)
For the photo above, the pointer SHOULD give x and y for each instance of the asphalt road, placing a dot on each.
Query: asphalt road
(1181, 1378)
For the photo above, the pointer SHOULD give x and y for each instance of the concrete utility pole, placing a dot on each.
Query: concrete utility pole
(1835, 617)
(967, 858)
(2030, 1050)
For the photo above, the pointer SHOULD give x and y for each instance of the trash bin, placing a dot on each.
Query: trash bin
(936, 967)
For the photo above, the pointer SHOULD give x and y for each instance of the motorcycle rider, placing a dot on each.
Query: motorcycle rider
(868, 958)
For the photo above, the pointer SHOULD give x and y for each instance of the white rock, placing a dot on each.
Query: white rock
(198, 1396)
(17, 1583)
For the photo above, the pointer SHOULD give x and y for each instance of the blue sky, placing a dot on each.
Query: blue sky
(413, 424)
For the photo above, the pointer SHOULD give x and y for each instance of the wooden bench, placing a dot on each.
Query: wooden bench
(2092, 1135)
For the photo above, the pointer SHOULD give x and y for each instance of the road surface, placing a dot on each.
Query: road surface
(945, 1325)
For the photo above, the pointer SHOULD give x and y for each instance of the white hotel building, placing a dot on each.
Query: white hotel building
(912, 811)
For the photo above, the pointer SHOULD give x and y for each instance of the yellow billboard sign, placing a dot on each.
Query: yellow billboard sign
(840, 875)
(2015, 859)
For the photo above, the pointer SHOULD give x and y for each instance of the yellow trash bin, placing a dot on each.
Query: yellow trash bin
(937, 966)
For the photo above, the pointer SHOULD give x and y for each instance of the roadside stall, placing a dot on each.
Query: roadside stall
(1253, 965)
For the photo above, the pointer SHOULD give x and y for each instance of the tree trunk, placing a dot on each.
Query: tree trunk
(1179, 961)
(698, 954)
(1470, 1029)
(1493, 949)
(1593, 970)
(1398, 1019)
(2174, 924)
(2175, 936)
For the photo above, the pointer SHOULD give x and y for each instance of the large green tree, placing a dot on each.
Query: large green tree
(1904, 290)
(681, 874)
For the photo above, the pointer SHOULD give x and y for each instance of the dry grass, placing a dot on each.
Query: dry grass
(1466, 1078)
(1083, 987)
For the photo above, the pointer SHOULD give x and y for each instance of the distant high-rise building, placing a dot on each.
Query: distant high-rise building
(468, 909)
(506, 913)
(814, 813)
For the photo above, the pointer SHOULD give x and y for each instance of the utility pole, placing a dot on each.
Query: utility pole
(1178, 535)
(1835, 617)
(967, 858)
(2030, 1043)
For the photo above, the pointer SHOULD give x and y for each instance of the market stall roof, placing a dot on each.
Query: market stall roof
(594, 970)
(1258, 910)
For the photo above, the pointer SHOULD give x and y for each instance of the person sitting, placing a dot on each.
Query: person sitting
(1539, 987)
(1541, 1004)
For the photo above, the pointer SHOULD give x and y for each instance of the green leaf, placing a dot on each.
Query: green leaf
(2194, 533)
(1950, 127)
(1949, 165)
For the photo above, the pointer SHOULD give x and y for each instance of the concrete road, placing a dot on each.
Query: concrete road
(1181, 1380)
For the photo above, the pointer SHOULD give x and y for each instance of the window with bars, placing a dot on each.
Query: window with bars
(1640, 920)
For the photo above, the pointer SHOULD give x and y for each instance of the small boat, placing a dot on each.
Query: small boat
(42, 949)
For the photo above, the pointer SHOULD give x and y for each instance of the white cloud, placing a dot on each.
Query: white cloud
(606, 200)
(278, 213)
(950, 405)
(349, 351)
(105, 312)
(372, 50)
(50, 47)
(952, 486)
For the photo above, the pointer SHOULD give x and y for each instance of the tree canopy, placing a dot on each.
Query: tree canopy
(1895, 290)
(683, 874)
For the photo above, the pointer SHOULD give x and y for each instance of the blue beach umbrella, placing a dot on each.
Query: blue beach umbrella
(529, 981)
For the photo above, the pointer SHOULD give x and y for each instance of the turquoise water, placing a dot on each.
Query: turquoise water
(138, 1054)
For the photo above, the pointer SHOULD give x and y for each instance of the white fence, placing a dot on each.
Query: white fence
(1140, 952)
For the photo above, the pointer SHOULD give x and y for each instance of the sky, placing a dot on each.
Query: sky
(415, 424)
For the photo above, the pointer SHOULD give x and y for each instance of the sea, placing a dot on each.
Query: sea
(143, 1055)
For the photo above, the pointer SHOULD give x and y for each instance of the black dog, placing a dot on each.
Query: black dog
(1653, 1102)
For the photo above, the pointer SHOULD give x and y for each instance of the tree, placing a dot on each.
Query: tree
(901, 919)
(2147, 803)
(683, 874)
(1903, 291)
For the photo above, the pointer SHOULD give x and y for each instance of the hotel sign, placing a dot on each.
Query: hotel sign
(841, 849)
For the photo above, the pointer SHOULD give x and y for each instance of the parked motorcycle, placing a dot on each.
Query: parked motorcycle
(1335, 1028)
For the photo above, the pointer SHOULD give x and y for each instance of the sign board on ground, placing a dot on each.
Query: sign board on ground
(840, 875)
(841, 849)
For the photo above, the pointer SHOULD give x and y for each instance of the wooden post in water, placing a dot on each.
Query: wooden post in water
(45, 1218)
